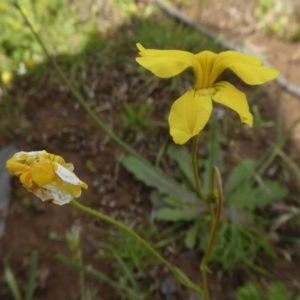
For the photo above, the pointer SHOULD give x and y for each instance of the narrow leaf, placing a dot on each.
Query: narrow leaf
(32, 276)
(12, 282)
(155, 178)
(171, 214)
(183, 158)
(191, 235)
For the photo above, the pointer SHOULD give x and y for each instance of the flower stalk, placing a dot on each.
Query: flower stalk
(195, 166)
(214, 225)
(123, 227)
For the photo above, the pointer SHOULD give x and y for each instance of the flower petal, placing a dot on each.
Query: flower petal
(26, 180)
(247, 67)
(46, 175)
(166, 63)
(229, 96)
(42, 173)
(57, 194)
(16, 168)
(68, 176)
(254, 74)
(203, 78)
(189, 114)
(57, 159)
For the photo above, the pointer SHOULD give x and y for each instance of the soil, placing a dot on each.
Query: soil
(54, 121)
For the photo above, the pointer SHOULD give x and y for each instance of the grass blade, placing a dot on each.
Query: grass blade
(127, 271)
(12, 282)
(32, 276)
(100, 276)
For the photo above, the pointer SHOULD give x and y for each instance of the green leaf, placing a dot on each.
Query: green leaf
(249, 197)
(271, 191)
(250, 291)
(90, 165)
(32, 276)
(241, 191)
(183, 158)
(12, 282)
(120, 289)
(240, 176)
(191, 235)
(184, 278)
(126, 269)
(171, 214)
(173, 201)
(278, 291)
(155, 178)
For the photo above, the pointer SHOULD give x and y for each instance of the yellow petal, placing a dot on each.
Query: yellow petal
(189, 114)
(16, 168)
(46, 175)
(229, 96)
(43, 173)
(25, 179)
(166, 63)
(206, 60)
(67, 188)
(247, 67)
(55, 158)
(254, 74)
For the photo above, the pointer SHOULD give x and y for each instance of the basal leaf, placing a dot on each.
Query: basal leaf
(183, 158)
(191, 235)
(249, 197)
(241, 175)
(155, 178)
(172, 214)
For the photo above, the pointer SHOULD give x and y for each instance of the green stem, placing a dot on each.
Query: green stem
(81, 276)
(74, 91)
(195, 166)
(215, 221)
(123, 227)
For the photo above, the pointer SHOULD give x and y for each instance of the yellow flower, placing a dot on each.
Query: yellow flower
(190, 113)
(46, 175)
(6, 77)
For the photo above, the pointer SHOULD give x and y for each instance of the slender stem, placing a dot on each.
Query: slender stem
(123, 227)
(81, 276)
(74, 91)
(195, 166)
(215, 221)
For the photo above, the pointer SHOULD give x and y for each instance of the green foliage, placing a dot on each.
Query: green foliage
(119, 287)
(64, 24)
(132, 258)
(136, 118)
(154, 177)
(296, 35)
(240, 190)
(167, 34)
(13, 284)
(135, 258)
(130, 262)
(240, 238)
(252, 291)
(276, 17)
(238, 247)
